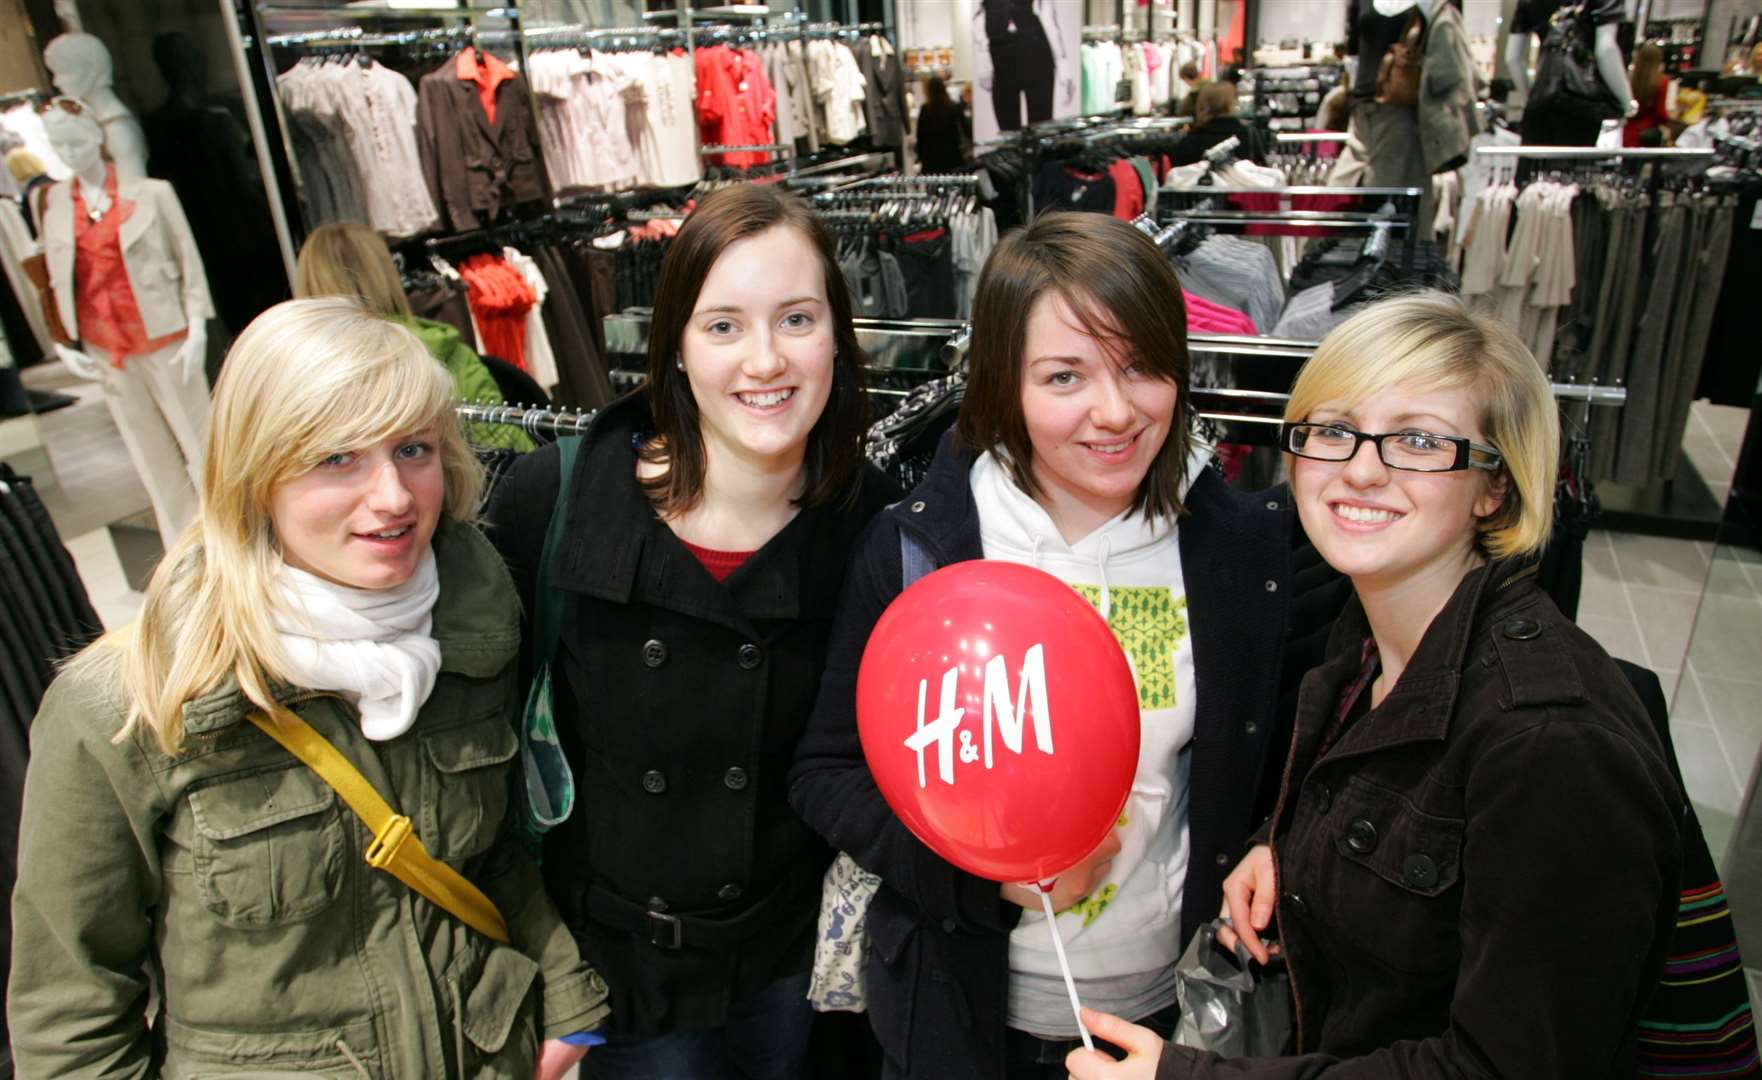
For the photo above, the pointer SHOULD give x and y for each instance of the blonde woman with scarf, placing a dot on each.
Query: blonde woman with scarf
(332, 580)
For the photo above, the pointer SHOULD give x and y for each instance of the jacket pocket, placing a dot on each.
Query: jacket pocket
(1397, 870)
(465, 786)
(890, 977)
(199, 1053)
(494, 1024)
(269, 848)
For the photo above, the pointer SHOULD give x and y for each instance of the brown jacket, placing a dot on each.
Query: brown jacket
(475, 168)
(1478, 877)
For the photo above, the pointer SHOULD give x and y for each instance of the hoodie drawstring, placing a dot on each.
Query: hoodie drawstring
(1101, 565)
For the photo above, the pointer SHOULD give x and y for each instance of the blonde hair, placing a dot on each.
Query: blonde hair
(1432, 341)
(346, 259)
(307, 378)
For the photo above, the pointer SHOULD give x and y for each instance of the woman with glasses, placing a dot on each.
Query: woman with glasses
(1474, 855)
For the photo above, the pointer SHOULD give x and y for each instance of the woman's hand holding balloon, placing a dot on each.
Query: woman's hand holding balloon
(1074, 884)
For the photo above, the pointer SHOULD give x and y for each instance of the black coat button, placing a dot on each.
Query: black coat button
(1420, 871)
(1297, 905)
(729, 892)
(1223, 859)
(1521, 629)
(1324, 799)
(1250, 727)
(657, 905)
(1361, 836)
(653, 782)
(749, 656)
(735, 779)
(654, 652)
(949, 926)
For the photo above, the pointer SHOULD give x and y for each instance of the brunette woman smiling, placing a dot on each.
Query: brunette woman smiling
(708, 522)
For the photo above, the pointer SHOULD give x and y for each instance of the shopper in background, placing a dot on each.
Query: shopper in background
(1189, 105)
(1474, 857)
(1215, 121)
(1073, 455)
(709, 516)
(1748, 63)
(347, 259)
(1651, 125)
(941, 132)
(332, 577)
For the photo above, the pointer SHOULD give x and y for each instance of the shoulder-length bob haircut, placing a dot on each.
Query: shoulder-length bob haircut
(1123, 291)
(346, 259)
(306, 379)
(1432, 341)
(834, 458)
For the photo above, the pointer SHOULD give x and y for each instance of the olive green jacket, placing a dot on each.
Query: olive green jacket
(233, 876)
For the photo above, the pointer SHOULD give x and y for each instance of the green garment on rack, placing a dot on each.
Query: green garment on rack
(472, 380)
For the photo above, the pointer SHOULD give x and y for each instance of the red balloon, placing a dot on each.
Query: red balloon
(999, 717)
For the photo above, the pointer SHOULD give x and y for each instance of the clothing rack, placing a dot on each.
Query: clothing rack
(547, 422)
(355, 36)
(781, 149)
(1399, 210)
(1671, 154)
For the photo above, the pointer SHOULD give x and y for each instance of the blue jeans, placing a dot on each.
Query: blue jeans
(765, 1038)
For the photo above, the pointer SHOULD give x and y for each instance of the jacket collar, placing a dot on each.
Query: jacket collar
(941, 511)
(474, 65)
(618, 549)
(475, 623)
(1423, 700)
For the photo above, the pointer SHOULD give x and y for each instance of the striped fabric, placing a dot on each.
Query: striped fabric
(1699, 1022)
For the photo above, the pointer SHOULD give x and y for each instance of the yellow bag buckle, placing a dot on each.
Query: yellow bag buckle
(389, 841)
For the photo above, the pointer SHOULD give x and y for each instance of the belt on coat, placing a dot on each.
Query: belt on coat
(665, 930)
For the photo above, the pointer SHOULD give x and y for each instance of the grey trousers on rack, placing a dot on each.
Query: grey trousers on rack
(1639, 416)
(1615, 317)
(1706, 271)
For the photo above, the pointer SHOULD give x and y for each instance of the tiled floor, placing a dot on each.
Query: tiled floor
(1642, 596)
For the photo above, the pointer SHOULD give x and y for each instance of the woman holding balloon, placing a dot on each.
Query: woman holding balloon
(1474, 857)
(1073, 456)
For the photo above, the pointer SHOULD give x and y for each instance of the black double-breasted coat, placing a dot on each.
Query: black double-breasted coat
(683, 872)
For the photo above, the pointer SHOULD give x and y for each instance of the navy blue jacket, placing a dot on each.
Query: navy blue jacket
(939, 937)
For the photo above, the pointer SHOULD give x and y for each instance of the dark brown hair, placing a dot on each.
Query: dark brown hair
(834, 457)
(1123, 291)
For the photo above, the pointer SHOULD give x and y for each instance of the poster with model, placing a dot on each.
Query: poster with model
(1026, 63)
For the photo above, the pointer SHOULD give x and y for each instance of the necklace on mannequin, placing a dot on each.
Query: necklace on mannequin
(96, 198)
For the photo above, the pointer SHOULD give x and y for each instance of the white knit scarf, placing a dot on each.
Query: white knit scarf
(373, 645)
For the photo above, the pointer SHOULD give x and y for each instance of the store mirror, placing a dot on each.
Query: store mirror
(1715, 723)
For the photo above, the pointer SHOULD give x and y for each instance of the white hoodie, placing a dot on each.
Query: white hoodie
(1127, 932)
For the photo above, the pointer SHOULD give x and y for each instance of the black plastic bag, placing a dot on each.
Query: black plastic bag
(1228, 1006)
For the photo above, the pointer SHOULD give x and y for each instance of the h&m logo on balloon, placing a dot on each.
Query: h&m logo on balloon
(969, 681)
(999, 713)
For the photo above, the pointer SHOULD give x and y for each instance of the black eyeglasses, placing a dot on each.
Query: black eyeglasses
(1414, 451)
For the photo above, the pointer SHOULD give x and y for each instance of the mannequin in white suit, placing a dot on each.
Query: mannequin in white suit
(129, 284)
